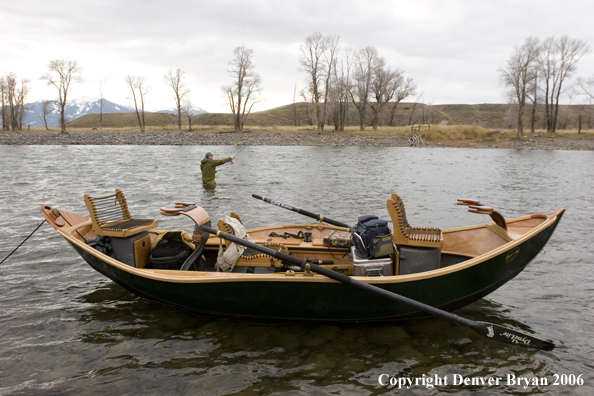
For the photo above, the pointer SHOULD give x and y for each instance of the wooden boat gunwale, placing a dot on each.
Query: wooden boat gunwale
(175, 276)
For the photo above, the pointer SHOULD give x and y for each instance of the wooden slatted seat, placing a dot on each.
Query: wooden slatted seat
(110, 216)
(405, 234)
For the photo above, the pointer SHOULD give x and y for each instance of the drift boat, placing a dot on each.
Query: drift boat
(445, 269)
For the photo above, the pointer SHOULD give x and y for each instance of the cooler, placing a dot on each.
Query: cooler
(371, 267)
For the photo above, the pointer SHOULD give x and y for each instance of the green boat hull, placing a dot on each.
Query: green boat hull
(331, 301)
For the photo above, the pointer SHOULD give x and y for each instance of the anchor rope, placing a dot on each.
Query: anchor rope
(5, 258)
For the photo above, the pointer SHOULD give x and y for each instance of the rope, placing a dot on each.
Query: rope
(287, 235)
(22, 242)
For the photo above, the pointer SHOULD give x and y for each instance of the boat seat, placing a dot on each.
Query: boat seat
(405, 234)
(250, 257)
(110, 216)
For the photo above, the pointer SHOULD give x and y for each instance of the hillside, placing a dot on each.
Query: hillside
(123, 120)
(491, 116)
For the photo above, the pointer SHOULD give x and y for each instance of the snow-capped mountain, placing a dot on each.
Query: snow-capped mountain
(193, 111)
(79, 108)
(34, 111)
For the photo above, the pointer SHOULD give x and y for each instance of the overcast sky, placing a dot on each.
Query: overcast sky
(451, 48)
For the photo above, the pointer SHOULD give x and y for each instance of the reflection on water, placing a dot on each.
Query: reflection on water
(65, 329)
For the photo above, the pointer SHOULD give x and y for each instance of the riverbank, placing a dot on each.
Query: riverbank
(564, 140)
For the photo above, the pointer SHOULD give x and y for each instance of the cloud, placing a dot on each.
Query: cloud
(452, 49)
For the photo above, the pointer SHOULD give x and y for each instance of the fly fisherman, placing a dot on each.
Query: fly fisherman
(207, 167)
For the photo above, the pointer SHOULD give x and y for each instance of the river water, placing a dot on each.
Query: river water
(66, 329)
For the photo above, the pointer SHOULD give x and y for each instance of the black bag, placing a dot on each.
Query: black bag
(372, 237)
(102, 243)
(170, 253)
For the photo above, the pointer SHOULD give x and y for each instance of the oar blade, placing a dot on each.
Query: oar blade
(503, 334)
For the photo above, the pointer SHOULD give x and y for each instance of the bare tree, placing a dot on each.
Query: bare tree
(557, 62)
(20, 98)
(518, 72)
(318, 56)
(365, 63)
(101, 89)
(341, 83)
(187, 110)
(62, 73)
(9, 83)
(13, 101)
(429, 113)
(244, 92)
(418, 100)
(47, 107)
(330, 64)
(385, 85)
(295, 117)
(4, 100)
(533, 94)
(404, 89)
(311, 63)
(139, 91)
(175, 80)
(308, 100)
(587, 86)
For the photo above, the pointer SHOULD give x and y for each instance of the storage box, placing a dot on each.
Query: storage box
(133, 250)
(413, 259)
(371, 267)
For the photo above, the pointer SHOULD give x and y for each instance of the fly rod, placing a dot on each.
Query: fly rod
(319, 217)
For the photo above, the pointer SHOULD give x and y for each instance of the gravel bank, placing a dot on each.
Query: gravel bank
(263, 138)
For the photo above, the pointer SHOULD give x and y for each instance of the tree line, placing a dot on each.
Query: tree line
(13, 95)
(536, 74)
(336, 80)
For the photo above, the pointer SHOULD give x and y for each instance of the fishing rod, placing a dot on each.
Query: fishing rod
(238, 153)
(319, 217)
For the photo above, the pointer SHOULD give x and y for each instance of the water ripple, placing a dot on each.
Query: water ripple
(65, 329)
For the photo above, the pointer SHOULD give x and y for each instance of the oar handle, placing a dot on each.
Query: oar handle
(318, 217)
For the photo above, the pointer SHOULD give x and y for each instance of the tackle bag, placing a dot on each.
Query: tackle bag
(337, 238)
(372, 237)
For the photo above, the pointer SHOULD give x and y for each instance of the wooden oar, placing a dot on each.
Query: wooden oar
(490, 330)
(318, 217)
